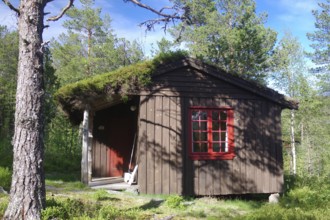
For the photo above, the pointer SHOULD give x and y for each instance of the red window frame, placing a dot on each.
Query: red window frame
(224, 138)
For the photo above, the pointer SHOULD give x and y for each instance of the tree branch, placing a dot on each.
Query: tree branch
(11, 7)
(150, 23)
(166, 17)
(55, 18)
(160, 12)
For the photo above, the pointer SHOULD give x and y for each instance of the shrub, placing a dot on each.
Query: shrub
(175, 201)
(6, 152)
(307, 198)
(101, 194)
(275, 212)
(3, 207)
(54, 212)
(110, 212)
(66, 209)
(73, 207)
(318, 183)
(5, 178)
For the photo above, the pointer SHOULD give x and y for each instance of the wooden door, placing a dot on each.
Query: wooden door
(113, 134)
(120, 133)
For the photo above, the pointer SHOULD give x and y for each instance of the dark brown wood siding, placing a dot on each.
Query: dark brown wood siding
(164, 164)
(160, 147)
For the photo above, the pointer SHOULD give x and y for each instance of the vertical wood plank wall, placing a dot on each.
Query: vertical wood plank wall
(100, 166)
(164, 164)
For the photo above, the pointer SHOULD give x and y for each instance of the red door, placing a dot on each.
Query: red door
(120, 133)
(114, 131)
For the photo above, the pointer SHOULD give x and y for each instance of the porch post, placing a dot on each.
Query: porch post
(90, 145)
(85, 141)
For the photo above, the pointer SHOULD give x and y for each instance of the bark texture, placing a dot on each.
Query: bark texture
(27, 193)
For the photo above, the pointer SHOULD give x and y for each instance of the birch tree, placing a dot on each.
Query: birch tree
(320, 130)
(289, 63)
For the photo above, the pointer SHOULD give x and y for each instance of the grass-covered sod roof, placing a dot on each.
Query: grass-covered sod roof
(129, 80)
(123, 81)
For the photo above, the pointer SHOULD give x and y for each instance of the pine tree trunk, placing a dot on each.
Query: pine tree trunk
(89, 49)
(27, 193)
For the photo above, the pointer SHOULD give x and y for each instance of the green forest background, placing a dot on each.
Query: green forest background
(228, 34)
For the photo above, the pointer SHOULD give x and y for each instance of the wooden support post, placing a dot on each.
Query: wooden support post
(90, 145)
(85, 143)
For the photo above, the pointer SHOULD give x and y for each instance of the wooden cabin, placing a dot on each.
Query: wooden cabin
(192, 130)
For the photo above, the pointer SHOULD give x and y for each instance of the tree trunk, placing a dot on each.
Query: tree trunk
(27, 193)
(293, 146)
(89, 51)
(309, 157)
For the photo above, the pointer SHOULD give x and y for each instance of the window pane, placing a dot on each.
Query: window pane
(196, 147)
(216, 136)
(223, 126)
(204, 123)
(200, 147)
(196, 125)
(215, 125)
(223, 136)
(202, 115)
(203, 126)
(223, 115)
(203, 147)
(216, 147)
(215, 115)
(224, 147)
(194, 115)
(196, 136)
(203, 136)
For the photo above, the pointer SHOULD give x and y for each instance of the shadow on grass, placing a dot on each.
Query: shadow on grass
(65, 177)
(112, 199)
(56, 181)
(152, 204)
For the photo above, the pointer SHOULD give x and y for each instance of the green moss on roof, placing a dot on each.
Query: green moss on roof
(138, 74)
(131, 79)
(122, 81)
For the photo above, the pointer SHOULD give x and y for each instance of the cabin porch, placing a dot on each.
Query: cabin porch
(113, 184)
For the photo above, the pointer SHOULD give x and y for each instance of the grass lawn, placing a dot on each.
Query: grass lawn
(67, 198)
(62, 197)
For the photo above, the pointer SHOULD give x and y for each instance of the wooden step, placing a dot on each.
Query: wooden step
(104, 181)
